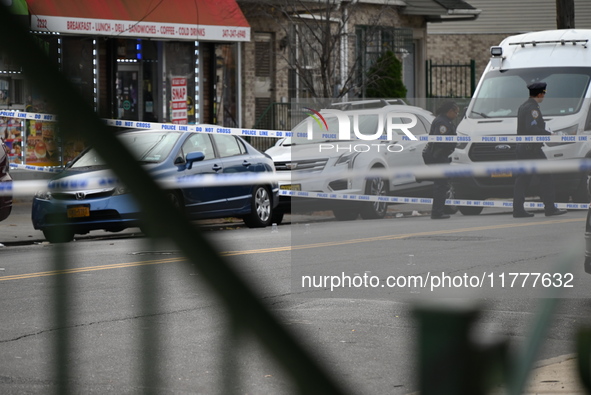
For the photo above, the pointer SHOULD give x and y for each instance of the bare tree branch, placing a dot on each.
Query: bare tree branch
(320, 44)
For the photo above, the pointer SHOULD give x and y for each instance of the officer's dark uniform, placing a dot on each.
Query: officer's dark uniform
(530, 122)
(441, 126)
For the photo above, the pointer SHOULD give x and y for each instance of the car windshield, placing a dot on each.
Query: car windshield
(503, 91)
(368, 124)
(146, 147)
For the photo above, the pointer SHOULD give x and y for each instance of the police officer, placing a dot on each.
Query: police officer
(440, 152)
(530, 122)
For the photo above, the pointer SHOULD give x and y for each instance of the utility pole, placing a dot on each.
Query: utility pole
(565, 14)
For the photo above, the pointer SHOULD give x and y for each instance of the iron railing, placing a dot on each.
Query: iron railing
(450, 80)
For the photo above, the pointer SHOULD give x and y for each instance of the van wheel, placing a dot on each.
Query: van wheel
(58, 235)
(261, 209)
(345, 214)
(469, 210)
(581, 194)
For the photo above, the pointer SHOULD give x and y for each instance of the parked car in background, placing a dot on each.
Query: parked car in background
(5, 200)
(62, 213)
(311, 165)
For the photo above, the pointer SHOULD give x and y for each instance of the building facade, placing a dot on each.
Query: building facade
(218, 62)
(324, 49)
(161, 62)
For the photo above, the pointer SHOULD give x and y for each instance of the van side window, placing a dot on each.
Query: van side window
(199, 142)
(228, 145)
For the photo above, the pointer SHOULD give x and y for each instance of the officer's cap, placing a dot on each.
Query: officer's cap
(536, 88)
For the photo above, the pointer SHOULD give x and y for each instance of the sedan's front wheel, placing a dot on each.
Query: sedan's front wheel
(375, 210)
(261, 210)
(58, 235)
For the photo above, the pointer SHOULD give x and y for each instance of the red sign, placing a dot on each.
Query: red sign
(179, 100)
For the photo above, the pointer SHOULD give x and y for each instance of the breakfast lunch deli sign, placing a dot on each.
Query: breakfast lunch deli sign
(140, 29)
(195, 20)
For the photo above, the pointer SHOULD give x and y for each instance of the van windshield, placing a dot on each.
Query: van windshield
(503, 91)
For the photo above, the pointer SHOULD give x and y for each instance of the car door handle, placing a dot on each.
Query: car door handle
(246, 163)
(216, 167)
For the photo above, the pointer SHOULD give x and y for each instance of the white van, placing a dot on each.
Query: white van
(562, 59)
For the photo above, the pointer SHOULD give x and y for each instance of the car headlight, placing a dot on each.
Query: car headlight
(462, 145)
(569, 131)
(121, 190)
(43, 195)
(346, 159)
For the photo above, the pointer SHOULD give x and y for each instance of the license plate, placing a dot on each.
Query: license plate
(502, 174)
(291, 187)
(78, 212)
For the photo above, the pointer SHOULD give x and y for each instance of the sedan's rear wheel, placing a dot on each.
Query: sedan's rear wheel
(261, 211)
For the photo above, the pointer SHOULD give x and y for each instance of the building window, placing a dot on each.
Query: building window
(372, 42)
(315, 60)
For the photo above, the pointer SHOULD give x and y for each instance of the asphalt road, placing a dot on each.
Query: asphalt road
(365, 336)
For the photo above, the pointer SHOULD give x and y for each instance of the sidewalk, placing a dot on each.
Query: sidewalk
(555, 376)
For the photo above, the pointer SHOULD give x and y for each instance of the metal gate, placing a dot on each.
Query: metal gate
(451, 80)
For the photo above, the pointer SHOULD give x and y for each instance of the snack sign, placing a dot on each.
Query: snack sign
(179, 100)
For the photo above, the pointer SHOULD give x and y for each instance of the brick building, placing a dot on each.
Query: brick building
(289, 58)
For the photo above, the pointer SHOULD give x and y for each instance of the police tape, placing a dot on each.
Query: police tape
(420, 173)
(426, 201)
(204, 128)
(45, 169)
(31, 116)
(245, 132)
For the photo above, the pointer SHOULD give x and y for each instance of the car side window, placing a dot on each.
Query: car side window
(228, 145)
(416, 130)
(199, 142)
(420, 127)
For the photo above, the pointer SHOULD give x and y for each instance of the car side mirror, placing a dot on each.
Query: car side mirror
(193, 157)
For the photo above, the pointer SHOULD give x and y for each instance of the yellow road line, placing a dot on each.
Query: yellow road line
(289, 248)
(88, 269)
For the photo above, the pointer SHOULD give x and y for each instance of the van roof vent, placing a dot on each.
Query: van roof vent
(561, 42)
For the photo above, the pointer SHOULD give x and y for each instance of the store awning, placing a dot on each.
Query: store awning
(198, 20)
